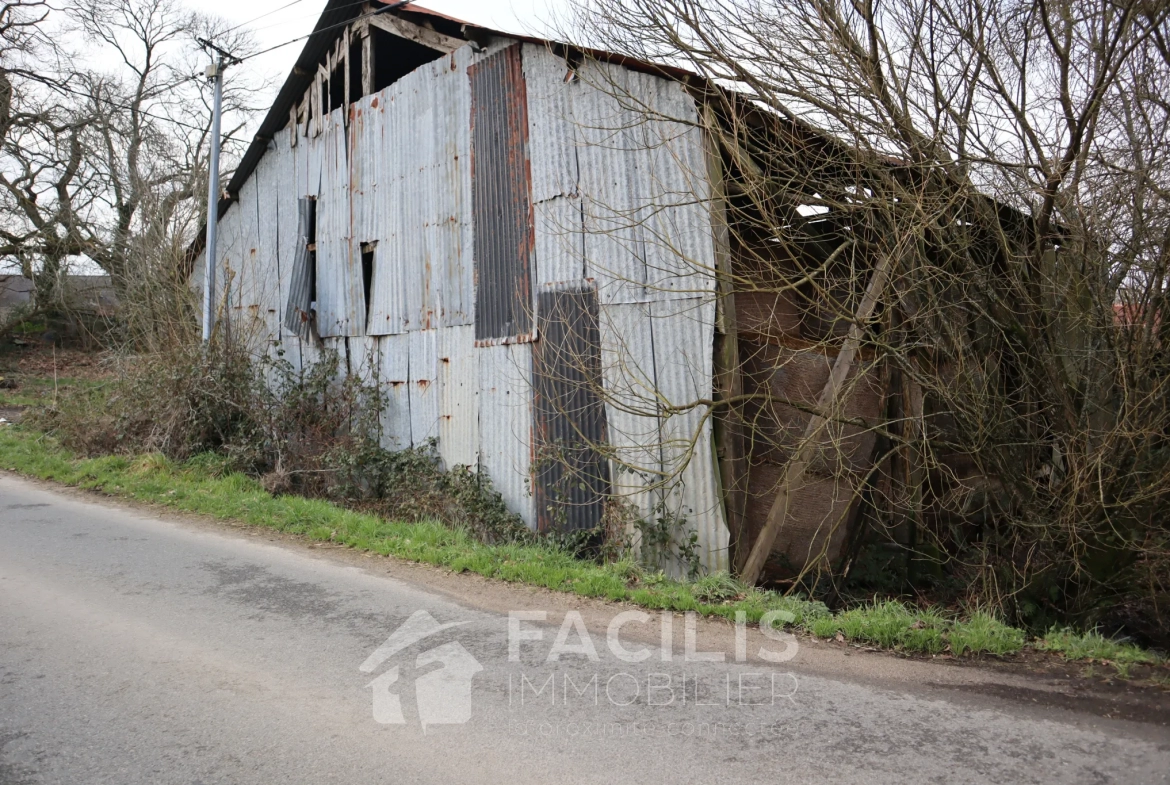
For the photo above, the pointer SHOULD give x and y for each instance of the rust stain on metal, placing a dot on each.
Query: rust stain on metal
(570, 471)
(504, 237)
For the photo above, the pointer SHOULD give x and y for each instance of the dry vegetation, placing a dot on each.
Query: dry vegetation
(961, 209)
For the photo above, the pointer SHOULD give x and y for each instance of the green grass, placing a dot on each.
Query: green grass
(204, 485)
(1092, 645)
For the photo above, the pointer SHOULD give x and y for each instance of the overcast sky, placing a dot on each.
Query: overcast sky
(522, 16)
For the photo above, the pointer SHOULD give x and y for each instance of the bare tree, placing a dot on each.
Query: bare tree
(961, 208)
(105, 150)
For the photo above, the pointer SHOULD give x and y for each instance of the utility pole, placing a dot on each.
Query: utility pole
(214, 71)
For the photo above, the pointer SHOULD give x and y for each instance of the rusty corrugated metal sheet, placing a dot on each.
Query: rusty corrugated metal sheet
(505, 424)
(340, 293)
(394, 377)
(422, 196)
(571, 474)
(552, 143)
(627, 363)
(458, 397)
(558, 229)
(653, 355)
(501, 198)
(269, 299)
(643, 186)
(424, 386)
(286, 197)
(365, 360)
(683, 334)
(298, 314)
(226, 290)
(248, 323)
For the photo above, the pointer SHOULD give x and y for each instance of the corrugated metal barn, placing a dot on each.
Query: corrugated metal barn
(520, 246)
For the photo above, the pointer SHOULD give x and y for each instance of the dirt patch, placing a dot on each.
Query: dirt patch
(11, 413)
(45, 362)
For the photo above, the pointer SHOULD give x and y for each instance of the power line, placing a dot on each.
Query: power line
(306, 16)
(143, 112)
(367, 15)
(258, 18)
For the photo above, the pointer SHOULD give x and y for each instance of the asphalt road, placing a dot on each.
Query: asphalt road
(144, 649)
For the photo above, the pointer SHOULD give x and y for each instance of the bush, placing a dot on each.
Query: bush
(309, 432)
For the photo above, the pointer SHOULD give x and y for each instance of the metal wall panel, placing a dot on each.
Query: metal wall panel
(268, 223)
(287, 198)
(340, 293)
(365, 360)
(609, 165)
(627, 365)
(570, 475)
(298, 315)
(248, 328)
(336, 345)
(458, 397)
(657, 354)
(643, 186)
(677, 237)
(551, 134)
(228, 265)
(364, 146)
(424, 386)
(560, 251)
(505, 424)
(501, 198)
(394, 376)
(683, 366)
(423, 269)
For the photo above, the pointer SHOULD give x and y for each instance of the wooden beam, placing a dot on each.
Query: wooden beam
(806, 450)
(367, 60)
(412, 32)
(728, 424)
(345, 67)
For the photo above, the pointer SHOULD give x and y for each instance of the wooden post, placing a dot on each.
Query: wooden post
(344, 61)
(367, 60)
(798, 464)
(727, 425)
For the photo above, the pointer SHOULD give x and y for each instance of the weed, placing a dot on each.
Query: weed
(983, 633)
(716, 587)
(1092, 645)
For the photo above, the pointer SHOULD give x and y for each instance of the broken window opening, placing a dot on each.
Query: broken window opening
(396, 57)
(355, 70)
(368, 276)
(337, 87)
(300, 312)
(312, 248)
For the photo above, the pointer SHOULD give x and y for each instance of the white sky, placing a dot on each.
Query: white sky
(521, 16)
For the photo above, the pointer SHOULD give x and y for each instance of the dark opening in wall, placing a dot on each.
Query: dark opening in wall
(396, 57)
(337, 88)
(355, 70)
(367, 275)
(324, 102)
(313, 252)
(299, 315)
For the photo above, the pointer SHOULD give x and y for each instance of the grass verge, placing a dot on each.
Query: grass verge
(202, 485)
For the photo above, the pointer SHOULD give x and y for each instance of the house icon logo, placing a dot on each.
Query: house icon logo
(442, 695)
